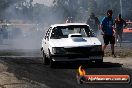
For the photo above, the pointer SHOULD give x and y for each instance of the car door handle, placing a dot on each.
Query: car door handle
(45, 42)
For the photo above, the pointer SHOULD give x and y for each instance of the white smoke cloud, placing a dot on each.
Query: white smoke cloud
(46, 2)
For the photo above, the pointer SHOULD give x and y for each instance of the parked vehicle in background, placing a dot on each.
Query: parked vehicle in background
(128, 29)
(127, 33)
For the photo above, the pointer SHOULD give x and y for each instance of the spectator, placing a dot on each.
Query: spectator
(119, 25)
(69, 20)
(108, 31)
(93, 22)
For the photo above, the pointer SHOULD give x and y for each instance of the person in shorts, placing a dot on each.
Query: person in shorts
(119, 25)
(107, 27)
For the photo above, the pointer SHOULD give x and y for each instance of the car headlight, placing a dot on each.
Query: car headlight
(58, 50)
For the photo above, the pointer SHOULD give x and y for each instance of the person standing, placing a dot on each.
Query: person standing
(93, 22)
(69, 20)
(119, 25)
(107, 27)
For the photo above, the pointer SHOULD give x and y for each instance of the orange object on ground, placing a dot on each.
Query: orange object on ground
(129, 28)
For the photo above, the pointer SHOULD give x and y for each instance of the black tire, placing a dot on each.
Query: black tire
(52, 63)
(99, 62)
(45, 59)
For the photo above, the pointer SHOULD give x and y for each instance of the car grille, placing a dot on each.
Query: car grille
(83, 50)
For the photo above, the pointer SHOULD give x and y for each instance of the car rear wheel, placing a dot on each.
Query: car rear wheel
(45, 59)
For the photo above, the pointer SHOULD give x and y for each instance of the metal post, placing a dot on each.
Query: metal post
(121, 7)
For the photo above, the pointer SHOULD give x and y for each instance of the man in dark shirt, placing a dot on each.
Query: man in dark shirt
(108, 31)
(119, 25)
(93, 22)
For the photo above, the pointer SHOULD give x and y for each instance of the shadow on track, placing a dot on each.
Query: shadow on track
(75, 65)
(59, 65)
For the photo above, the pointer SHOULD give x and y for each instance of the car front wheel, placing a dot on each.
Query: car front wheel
(52, 63)
(99, 62)
(45, 59)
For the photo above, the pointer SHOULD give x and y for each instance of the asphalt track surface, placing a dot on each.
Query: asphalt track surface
(34, 74)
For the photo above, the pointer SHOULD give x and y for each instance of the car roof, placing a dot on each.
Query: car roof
(68, 24)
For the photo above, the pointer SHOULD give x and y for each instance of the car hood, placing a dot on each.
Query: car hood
(74, 42)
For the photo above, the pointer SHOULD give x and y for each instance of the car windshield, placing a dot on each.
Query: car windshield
(64, 31)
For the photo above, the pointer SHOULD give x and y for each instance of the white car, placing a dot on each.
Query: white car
(70, 42)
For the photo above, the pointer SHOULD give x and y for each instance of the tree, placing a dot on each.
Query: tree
(92, 6)
(67, 7)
